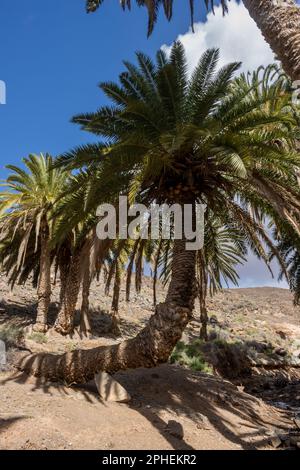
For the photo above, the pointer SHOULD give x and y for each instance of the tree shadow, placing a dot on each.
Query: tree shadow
(169, 397)
(207, 401)
(23, 314)
(204, 400)
(5, 423)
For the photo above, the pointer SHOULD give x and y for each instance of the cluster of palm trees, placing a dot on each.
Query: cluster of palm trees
(215, 138)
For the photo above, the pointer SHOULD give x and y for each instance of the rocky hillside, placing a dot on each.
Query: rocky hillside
(254, 342)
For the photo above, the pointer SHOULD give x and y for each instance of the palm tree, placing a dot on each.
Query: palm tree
(79, 254)
(171, 139)
(289, 247)
(25, 210)
(279, 22)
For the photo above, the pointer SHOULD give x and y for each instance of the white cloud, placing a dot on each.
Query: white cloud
(236, 35)
(239, 39)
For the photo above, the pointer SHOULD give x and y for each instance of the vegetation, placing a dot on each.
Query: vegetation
(278, 22)
(191, 356)
(210, 138)
(26, 208)
(11, 335)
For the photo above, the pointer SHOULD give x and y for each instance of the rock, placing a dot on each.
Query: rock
(28, 330)
(295, 440)
(297, 422)
(275, 441)
(295, 361)
(280, 352)
(296, 343)
(282, 334)
(110, 390)
(213, 320)
(260, 347)
(175, 429)
(296, 353)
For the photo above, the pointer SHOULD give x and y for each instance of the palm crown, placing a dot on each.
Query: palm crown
(209, 138)
(170, 137)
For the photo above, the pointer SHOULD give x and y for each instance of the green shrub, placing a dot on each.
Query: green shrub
(71, 346)
(39, 338)
(190, 356)
(11, 335)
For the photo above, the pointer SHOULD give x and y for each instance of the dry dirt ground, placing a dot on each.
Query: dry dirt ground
(171, 407)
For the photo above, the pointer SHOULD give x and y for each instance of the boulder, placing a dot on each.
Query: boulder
(110, 390)
(276, 441)
(175, 429)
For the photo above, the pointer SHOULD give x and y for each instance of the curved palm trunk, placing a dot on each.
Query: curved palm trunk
(153, 345)
(279, 23)
(44, 284)
(65, 320)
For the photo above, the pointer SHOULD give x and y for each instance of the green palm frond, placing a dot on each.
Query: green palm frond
(213, 138)
(153, 7)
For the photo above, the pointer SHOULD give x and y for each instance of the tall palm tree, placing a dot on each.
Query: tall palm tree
(79, 255)
(171, 139)
(26, 207)
(290, 250)
(279, 22)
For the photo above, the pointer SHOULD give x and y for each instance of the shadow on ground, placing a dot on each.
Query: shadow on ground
(173, 399)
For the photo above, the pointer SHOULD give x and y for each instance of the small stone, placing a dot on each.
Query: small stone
(297, 422)
(295, 440)
(175, 429)
(275, 441)
(111, 390)
(281, 352)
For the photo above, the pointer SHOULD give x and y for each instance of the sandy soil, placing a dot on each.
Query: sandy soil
(171, 407)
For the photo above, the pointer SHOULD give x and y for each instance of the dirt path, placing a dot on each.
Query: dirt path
(171, 408)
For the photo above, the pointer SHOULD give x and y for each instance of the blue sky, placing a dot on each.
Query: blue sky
(53, 55)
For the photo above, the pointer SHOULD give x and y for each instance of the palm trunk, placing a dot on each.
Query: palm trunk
(202, 294)
(65, 320)
(152, 346)
(63, 274)
(44, 284)
(115, 300)
(280, 26)
(85, 325)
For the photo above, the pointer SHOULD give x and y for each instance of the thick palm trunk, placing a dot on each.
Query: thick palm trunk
(44, 284)
(115, 300)
(63, 274)
(65, 320)
(202, 293)
(153, 345)
(85, 325)
(279, 23)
